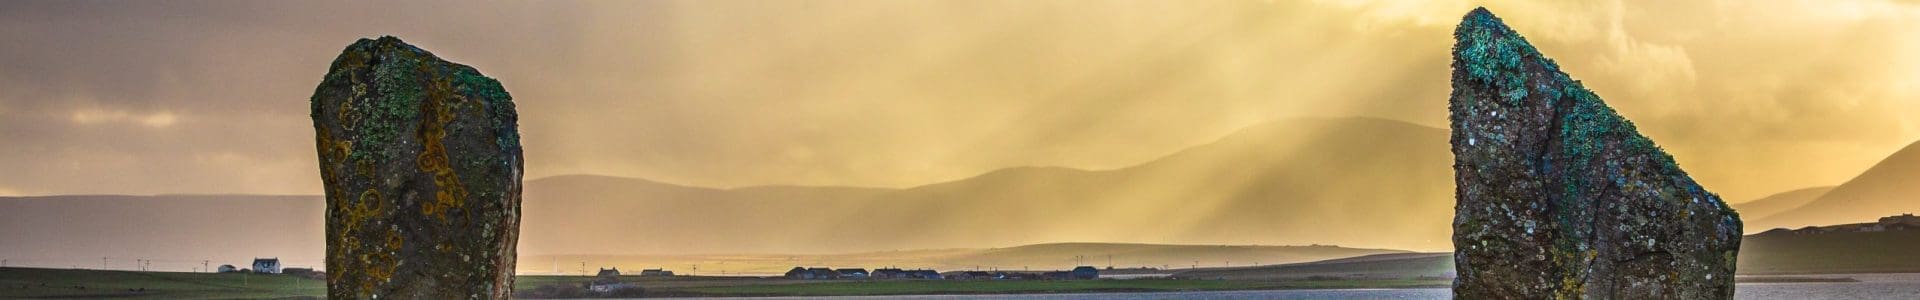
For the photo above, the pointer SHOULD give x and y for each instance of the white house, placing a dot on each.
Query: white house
(266, 265)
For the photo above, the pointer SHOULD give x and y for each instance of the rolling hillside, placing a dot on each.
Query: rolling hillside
(1886, 189)
(1777, 203)
(177, 231)
(1351, 182)
(1378, 266)
(584, 214)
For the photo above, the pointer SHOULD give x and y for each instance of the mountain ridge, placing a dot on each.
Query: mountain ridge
(1779, 202)
(1005, 170)
(1884, 189)
(1238, 174)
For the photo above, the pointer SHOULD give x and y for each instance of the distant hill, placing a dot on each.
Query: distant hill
(1886, 189)
(1884, 246)
(1156, 255)
(1054, 256)
(1776, 203)
(1355, 182)
(1378, 266)
(177, 231)
(584, 214)
(1350, 181)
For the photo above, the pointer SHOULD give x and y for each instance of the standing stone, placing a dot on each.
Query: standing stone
(1560, 197)
(421, 162)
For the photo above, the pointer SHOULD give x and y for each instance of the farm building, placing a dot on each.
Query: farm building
(888, 273)
(1902, 219)
(228, 269)
(970, 275)
(924, 274)
(852, 273)
(266, 265)
(608, 280)
(812, 273)
(1084, 272)
(656, 273)
(823, 273)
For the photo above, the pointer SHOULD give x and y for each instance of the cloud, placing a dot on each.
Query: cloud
(159, 119)
(887, 93)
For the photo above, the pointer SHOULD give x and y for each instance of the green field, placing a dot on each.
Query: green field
(64, 283)
(1846, 252)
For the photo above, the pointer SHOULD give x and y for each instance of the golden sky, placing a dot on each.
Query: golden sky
(1752, 97)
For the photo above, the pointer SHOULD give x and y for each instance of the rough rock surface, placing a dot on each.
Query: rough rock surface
(1560, 197)
(421, 162)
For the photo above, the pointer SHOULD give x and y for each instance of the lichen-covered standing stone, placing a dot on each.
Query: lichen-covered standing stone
(1560, 197)
(420, 158)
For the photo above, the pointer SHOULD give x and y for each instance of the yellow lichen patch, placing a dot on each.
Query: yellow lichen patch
(346, 116)
(1572, 285)
(377, 265)
(382, 264)
(344, 148)
(433, 159)
(364, 167)
(357, 214)
(331, 152)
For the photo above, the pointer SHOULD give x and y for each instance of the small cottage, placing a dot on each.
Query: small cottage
(266, 265)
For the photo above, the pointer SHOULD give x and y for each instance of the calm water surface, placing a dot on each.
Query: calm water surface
(1871, 286)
